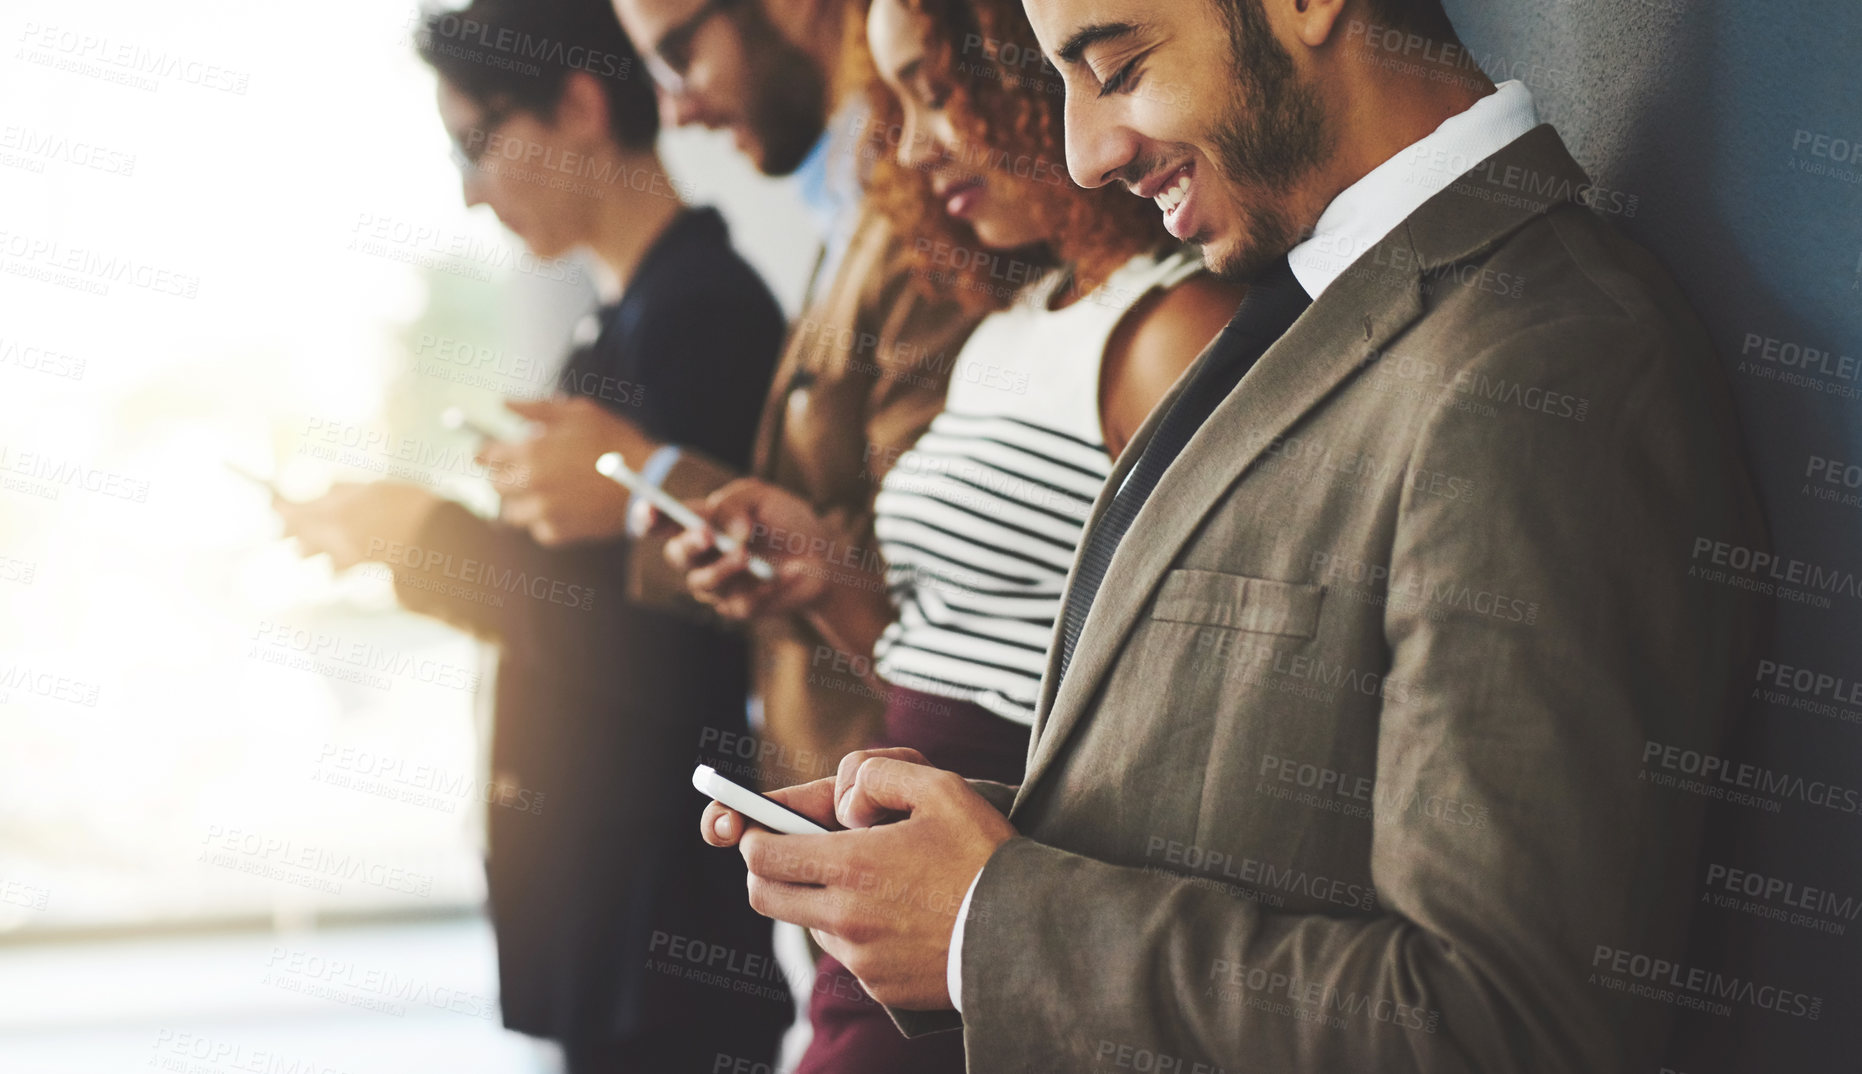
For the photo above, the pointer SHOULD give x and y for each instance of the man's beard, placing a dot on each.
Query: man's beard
(789, 109)
(1272, 133)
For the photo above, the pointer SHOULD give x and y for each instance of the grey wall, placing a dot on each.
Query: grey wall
(1707, 113)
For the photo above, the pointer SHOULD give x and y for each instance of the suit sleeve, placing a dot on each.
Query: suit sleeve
(1482, 953)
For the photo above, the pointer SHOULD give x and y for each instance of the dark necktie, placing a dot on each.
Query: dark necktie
(1273, 303)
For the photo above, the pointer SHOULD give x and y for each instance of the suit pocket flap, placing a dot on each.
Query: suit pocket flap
(1239, 602)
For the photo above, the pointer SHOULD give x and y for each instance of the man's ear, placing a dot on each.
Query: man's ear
(582, 110)
(1312, 22)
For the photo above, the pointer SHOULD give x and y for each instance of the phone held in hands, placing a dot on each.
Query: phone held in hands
(768, 812)
(614, 468)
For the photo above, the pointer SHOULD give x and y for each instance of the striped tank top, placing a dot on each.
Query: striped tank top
(979, 523)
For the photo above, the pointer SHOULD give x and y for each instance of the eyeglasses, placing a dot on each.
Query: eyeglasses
(669, 58)
(466, 157)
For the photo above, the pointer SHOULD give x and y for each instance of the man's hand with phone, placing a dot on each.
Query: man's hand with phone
(881, 897)
(767, 521)
(548, 478)
(819, 800)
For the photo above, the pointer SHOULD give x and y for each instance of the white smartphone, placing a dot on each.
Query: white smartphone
(614, 468)
(768, 812)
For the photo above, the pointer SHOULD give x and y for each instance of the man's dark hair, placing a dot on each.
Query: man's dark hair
(1425, 17)
(505, 54)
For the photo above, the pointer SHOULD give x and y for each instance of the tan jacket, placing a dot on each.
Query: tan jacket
(1347, 773)
(864, 372)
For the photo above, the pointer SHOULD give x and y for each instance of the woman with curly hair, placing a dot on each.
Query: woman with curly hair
(1096, 313)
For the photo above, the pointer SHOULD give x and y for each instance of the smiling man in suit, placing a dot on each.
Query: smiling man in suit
(1339, 764)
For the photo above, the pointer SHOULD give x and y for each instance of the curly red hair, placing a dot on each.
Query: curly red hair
(1006, 102)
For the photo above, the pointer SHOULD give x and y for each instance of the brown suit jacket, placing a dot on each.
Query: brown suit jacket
(864, 372)
(1346, 774)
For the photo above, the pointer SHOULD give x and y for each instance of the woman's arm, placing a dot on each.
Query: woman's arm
(1151, 347)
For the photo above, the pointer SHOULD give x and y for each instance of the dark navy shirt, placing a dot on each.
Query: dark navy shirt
(601, 704)
(689, 349)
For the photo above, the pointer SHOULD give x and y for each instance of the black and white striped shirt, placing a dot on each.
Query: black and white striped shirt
(979, 523)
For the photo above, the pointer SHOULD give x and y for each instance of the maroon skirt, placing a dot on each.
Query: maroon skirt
(852, 1034)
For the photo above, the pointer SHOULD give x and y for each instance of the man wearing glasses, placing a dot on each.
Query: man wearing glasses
(863, 372)
(764, 74)
(741, 72)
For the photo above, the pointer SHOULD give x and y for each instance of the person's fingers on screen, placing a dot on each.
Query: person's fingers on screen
(722, 826)
(813, 799)
(887, 789)
(719, 576)
(742, 529)
(727, 586)
(656, 523)
(730, 499)
(733, 558)
(715, 568)
(689, 549)
(855, 808)
(738, 508)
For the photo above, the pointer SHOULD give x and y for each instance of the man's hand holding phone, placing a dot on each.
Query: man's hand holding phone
(765, 521)
(548, 477)
(881, 896)
(819, 800)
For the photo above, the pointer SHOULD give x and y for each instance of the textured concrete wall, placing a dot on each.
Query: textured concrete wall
(1709, 113)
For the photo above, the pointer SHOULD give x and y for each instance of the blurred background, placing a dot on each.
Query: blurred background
(241, 798)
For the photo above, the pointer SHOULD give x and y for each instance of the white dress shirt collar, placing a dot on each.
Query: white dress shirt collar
(1367, 210)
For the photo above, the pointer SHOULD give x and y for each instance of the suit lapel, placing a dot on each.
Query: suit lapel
(1352, 321)
(1355, 318)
